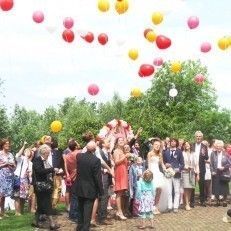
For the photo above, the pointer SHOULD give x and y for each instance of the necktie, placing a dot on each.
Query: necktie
(172, 153)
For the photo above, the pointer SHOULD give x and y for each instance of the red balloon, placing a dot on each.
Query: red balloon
(68, 35)
(146, 31)
(146, 70)
(103, 38)
(89, 37)
(199, 79)
(163, 42)
(93, 89)
(6, 4)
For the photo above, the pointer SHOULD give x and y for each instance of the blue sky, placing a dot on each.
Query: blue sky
(39, 69)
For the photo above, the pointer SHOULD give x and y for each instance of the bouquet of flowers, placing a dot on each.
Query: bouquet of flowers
(169, 172)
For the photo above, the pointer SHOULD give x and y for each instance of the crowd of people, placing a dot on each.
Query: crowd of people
(144, 184)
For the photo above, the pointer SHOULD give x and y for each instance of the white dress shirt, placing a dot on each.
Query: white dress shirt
(219, 159)
(49, 159)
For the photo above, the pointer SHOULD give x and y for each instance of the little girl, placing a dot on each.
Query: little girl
(145, 195)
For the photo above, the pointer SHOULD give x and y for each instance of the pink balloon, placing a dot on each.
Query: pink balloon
(205, 47)
(158, 61)
(93, 89)
(193, 22)
(68, 22)
(199, 79)
(38, 16)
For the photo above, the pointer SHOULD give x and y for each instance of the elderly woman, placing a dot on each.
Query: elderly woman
(7, 166)
(220, 163)
(24, 172)
(43, 185)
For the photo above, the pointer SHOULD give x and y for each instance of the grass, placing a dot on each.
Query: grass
(21, 223)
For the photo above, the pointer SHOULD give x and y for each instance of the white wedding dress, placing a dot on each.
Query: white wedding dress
(159, 181)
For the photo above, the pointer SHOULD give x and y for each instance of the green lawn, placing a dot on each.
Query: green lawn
(21, 223)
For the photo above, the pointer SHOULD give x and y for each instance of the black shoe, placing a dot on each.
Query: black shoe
(192, 205)
(34, 225)
(224, 204)
(55, 227)
(202, 204)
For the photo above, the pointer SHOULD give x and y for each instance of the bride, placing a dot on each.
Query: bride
(155, 163)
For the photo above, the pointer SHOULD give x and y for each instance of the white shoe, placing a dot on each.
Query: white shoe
(175, 210)
(187, 208)
(226, 219)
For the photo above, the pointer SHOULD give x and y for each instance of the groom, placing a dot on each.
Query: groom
(173, 158)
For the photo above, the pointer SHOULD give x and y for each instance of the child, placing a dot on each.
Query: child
(145, 195)
(135, 173)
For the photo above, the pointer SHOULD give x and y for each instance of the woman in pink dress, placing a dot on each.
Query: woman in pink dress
(121, 174)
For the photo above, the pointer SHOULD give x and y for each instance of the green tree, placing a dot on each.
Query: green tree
(4, 123)
(160, 115)
(115, 109)
(24, 126)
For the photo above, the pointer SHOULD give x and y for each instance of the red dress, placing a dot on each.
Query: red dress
(121, 176)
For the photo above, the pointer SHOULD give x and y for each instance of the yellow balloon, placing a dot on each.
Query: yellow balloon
(136, 92)
(103, 5)
(176, 67)
(151, 36)
(229, 38)
(56, 126)
(121, 6)
(223, 43)
(133, 54)
(157, 18)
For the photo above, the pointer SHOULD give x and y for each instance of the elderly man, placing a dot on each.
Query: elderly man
(88, 185)
(201, 155)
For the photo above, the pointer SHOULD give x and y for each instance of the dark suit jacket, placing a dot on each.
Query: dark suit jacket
(202, 157)
(88, 182)
(40, 173)
(57, 159)
(177, 161)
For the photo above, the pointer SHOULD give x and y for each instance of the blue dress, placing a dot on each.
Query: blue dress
(145, 196)
(6, 176)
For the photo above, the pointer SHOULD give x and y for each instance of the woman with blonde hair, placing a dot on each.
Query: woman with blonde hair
(155, 164)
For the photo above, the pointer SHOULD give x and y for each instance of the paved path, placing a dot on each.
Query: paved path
(198, 219)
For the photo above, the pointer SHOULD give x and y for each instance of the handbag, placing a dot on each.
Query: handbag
(16, 184)
(225, 178)
(43, 186)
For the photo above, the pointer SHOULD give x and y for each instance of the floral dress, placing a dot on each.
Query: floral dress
(6, 175)
(145, 196)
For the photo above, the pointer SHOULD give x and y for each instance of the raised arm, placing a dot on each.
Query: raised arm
(21, 150)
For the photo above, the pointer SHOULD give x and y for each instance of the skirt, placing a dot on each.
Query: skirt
(23, 190)
(219, 188)
(188, 179)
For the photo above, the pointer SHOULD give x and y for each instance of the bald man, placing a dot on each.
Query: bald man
(88, 185)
